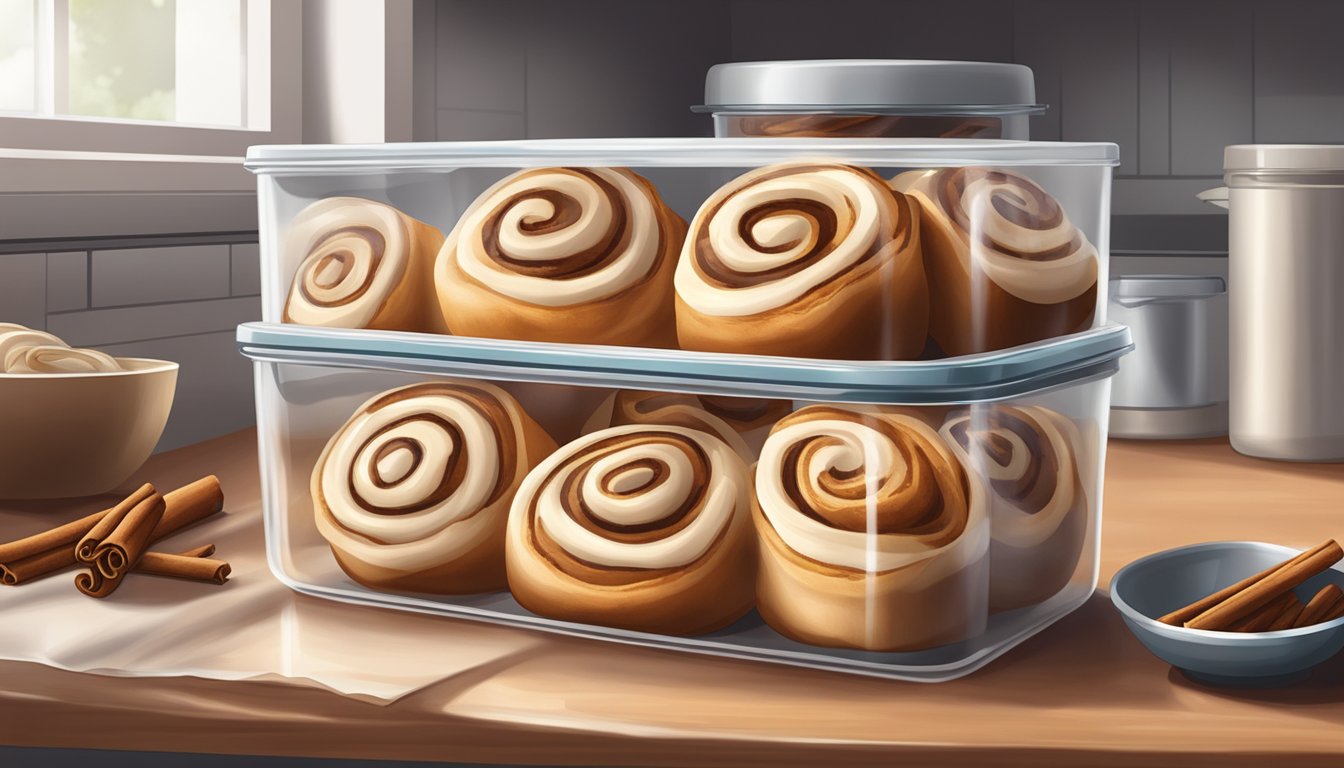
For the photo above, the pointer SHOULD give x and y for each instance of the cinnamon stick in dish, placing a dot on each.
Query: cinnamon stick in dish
(48, 552)
(1263, 618)
(1252, 598)
(1180, 616)
(1288, 618)
(195, 565)
(1319, 606)
(1336, 610)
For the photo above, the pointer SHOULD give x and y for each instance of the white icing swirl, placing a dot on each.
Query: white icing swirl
(353, 253)
(527, 229)
(1013, 522)
(758, 223)
(50, 358)
(14, 341)
(385, 476)
(861, 450)
(621, 487)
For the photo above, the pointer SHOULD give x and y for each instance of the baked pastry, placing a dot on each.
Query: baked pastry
(640, 527)
(412, 492)
(361, 264)
(804, 260)
(871, 535)
(1005, 264)
(563, 255)
(740, 422)
(1027, 462)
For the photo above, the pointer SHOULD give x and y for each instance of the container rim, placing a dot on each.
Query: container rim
(915, 110)
(967, 379)
(283, 159)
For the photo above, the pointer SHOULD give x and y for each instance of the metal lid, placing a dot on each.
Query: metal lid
(1166, 286)
(871, 85)
(967, 379)
(1284, 157)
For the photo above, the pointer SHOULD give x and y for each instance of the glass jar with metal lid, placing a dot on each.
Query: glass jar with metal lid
(887, 98)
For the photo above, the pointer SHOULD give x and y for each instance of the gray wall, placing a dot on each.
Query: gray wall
(1171, 81)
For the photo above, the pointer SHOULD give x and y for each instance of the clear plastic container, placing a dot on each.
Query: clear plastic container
(793, 247)
(902, 519)
(887, 98)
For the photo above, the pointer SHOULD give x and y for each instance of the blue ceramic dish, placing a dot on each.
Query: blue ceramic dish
(1158, 584)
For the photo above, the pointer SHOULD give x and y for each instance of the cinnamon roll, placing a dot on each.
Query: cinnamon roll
(1005, 264)
(1026, 458)
(362, 264)
(412, 493)
(804, 260)
(871, 535)
(742, 423)
(820, 125)
(640, 527)
(563, 255)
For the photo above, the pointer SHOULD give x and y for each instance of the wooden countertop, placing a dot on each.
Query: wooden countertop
(1084, 692)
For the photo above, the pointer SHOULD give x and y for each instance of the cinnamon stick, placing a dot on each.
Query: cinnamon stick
(1288, 618)
(50, 551)
(1263, 618)
(92, 583)
(1319, 605)
(128, 541)
(109, 522)
(1180, 616)
(1336, 610)
(187, 565)
(1254, 597)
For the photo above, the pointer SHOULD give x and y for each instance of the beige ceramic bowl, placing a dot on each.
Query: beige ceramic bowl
(78, 434)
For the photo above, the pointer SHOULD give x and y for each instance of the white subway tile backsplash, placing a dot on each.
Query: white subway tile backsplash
(23, 291)
(150, 275)
(97, 327)
(67, 281)
(245, 264)
(214, 385)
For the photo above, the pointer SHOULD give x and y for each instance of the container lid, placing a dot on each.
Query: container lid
(1284, 157)
(310, 159)
(970, 378)
(1166, 286)
(871, 85)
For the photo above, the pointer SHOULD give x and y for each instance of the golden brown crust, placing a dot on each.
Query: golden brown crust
(1039, 515)
(706, 593)
(876, 308)
(640, 314)
(970, 311)
(478, 568)
(407, 302)
(855, 554)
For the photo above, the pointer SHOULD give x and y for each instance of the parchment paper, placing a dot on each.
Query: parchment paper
(252, 627)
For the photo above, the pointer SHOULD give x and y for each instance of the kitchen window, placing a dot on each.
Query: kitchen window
(183, 77)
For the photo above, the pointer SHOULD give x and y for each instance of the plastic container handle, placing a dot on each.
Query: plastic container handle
(1216, 196)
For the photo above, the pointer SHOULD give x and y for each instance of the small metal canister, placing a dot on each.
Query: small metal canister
(1174, 384)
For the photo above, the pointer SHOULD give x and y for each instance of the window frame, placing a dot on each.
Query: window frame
(273, 93)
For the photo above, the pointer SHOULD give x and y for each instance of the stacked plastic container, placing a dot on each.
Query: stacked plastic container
(848, 409)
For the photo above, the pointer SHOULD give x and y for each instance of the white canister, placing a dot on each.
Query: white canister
(1286, 299)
